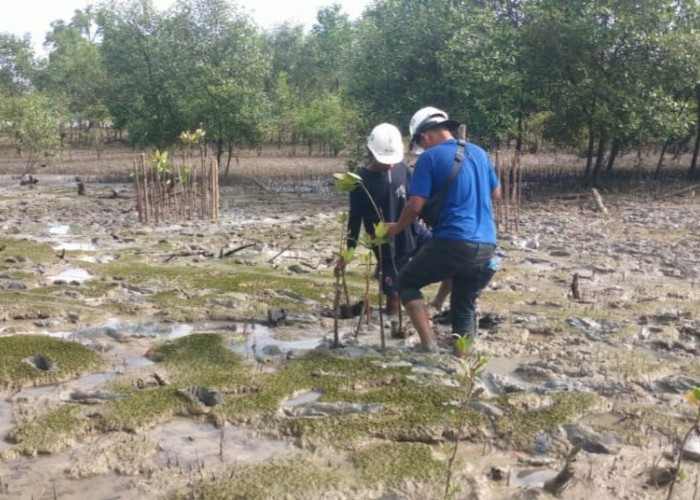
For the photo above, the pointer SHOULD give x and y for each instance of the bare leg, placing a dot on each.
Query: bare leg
(443, 292)
(417, 310)
(392, 304)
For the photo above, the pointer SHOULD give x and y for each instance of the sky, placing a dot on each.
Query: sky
(35, 16)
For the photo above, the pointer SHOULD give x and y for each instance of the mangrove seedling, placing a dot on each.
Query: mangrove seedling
(348, 182)
(344, 256)
(693, 397)
(472, 364)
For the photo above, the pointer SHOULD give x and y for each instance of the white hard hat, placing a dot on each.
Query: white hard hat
(386, 144)
(425, 119)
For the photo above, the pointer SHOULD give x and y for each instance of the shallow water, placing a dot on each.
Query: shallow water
(258, 337)
(531, 478)
(72, 274)
(193, 445)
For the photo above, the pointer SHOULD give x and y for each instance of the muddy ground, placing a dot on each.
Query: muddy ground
(142, 361)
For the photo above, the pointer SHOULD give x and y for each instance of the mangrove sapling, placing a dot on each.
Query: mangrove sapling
(693, 397)
(348, 182)
(380, 238)
(344, 256)
(472, 363)
(367, 261)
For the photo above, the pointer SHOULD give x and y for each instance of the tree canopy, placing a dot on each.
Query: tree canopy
(597, 76)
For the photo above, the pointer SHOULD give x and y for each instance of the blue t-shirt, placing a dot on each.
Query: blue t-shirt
(467, 214)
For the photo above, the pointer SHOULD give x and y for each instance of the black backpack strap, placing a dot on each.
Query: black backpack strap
(459, 157)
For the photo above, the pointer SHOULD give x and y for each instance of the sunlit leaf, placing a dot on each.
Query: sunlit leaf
(693, 396)
(346, 181)
(380, 230)
(348, 255)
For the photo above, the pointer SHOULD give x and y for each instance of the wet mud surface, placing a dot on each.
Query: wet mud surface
(591, 327)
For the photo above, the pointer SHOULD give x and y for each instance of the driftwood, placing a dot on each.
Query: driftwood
(575, 290)
(677, 192)
(223, 254)
(287, 247)
(261, 185)
(199, 253)
(559, 482)
(599, 201)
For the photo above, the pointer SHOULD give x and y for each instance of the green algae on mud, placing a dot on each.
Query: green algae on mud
(27, 249)
(52, 432)
(395, 463)
(518, 427)
(410, 409)
(64, 360)
(297, 477)
(223, 277)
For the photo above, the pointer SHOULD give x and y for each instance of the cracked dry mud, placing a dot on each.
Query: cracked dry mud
(149, 417)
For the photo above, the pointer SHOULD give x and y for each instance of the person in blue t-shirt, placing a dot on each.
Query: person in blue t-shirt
(464, 237)
(386, 178)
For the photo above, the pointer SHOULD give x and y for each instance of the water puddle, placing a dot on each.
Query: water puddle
(43, 477)
(93, 259)
(59, 229)
(259, 337)
(194, 445)
(530, 478)
(306, 397)
(505, 366)
(73, 274)
(73, 246)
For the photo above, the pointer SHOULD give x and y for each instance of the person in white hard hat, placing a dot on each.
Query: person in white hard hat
(464, 236)
(386, 178)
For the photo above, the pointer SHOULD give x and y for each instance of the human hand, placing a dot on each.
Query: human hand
(392, 228)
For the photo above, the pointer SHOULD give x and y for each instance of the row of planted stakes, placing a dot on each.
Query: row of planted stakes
(182, 188)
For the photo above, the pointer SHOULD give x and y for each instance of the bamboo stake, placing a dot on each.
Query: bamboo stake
(137, 187)
(145, 186)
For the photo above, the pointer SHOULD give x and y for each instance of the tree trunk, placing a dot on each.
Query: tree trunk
(519, 138)
(661, 158)
(589, 156)
(219, 151)
(228, 159)
(694, 162)
(614, 151)
(595, 177)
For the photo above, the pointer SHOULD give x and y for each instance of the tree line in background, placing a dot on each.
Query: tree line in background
(597, 76)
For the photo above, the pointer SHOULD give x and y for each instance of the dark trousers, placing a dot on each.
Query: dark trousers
(468, 266)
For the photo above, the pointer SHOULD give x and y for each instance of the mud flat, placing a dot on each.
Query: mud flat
(142, 361)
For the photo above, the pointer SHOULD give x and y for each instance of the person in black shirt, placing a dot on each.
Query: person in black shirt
(386, 178)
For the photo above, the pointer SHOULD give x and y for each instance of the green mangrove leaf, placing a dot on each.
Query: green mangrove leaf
(693, 396)
(346, 182)
(348, 255)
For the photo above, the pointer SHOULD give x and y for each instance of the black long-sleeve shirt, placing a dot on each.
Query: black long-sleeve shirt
(388, 189)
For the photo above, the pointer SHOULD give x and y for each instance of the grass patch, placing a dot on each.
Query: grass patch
(141, 409)
(297, 478)
(519, 427)
(31, 250)
(64, 360)
(396, 463)
(49, 433)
